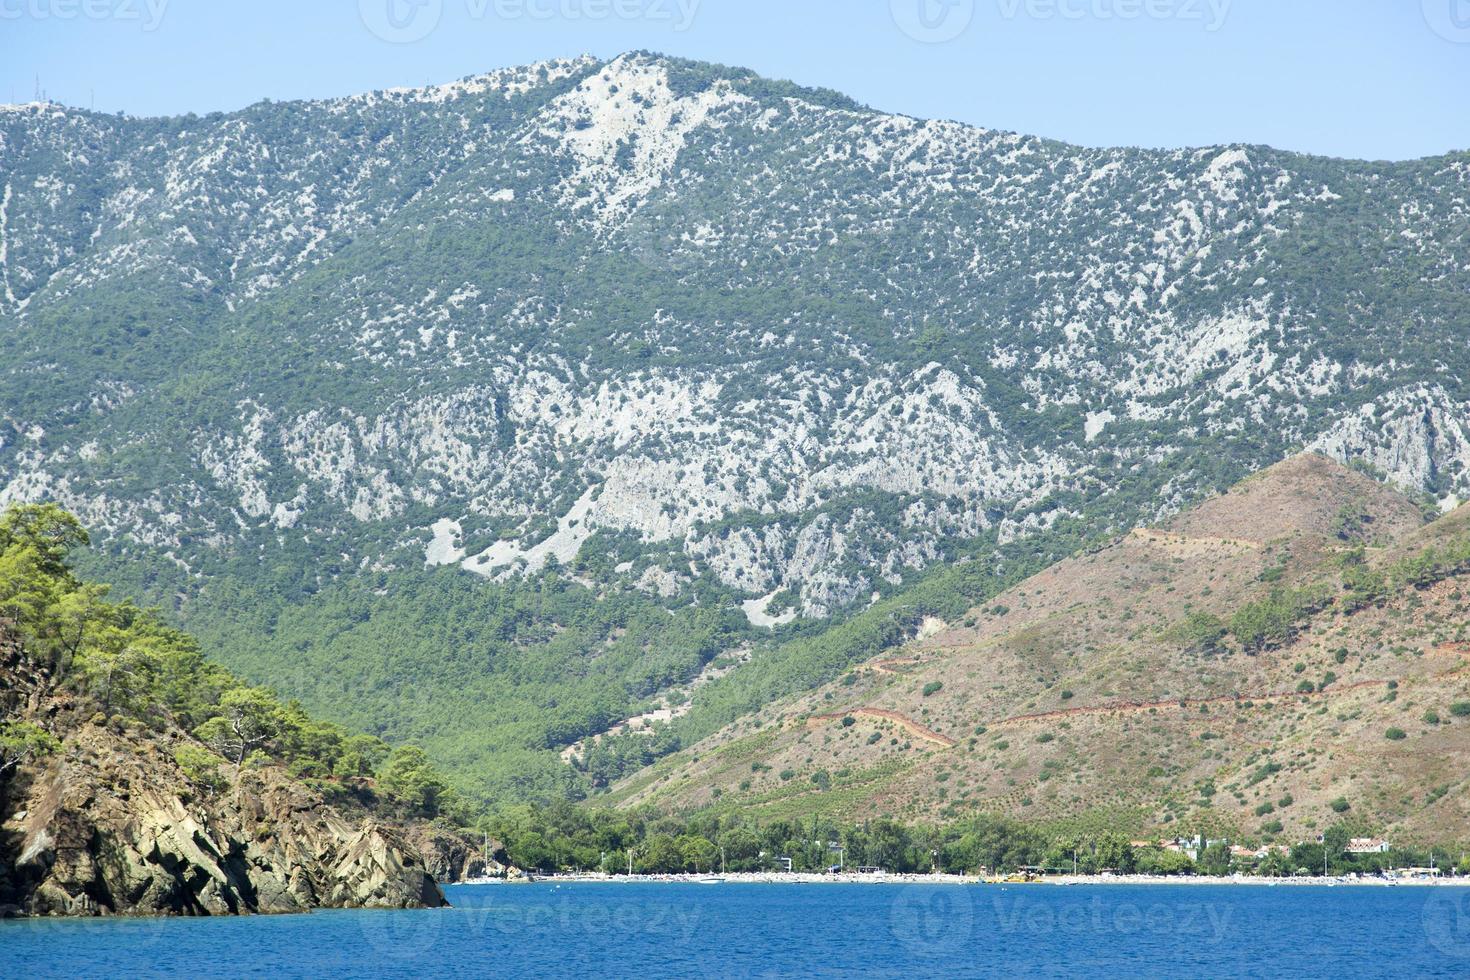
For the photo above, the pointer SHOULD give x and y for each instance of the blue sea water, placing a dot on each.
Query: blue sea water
(746, 930)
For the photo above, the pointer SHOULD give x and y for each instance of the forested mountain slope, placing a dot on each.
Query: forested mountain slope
(584, 342)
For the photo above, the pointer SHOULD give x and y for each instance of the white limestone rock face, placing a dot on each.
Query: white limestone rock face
(1419, 438)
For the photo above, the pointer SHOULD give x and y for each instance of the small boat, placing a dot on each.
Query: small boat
(1026, 876)
(710, 880)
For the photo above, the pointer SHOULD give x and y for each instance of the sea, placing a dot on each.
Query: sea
(725, 929)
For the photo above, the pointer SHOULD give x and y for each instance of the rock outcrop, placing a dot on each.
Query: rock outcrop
(110, 824)
(453, 856)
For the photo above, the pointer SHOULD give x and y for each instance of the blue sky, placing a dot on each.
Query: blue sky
(1359, 78)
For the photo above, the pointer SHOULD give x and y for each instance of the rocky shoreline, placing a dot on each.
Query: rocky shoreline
(110, 824)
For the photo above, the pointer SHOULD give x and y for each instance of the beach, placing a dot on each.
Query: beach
(854, 878)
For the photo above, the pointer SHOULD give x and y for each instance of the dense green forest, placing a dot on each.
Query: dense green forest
(138, 672)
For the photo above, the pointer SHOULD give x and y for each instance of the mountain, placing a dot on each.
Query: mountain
(431, 406)
(1288, 652)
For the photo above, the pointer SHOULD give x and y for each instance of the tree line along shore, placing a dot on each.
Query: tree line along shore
(564, 839)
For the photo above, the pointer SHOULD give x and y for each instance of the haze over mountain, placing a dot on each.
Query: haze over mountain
(569, 347)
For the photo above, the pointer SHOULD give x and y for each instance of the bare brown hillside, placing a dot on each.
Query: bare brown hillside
(1107, 684)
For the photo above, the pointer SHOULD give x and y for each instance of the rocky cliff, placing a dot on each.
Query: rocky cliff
(110, 823)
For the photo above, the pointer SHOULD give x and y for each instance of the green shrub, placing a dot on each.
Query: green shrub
(1264, 772)
(932, 688)
(1200, 632)
(201, 766)
(21, 741)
